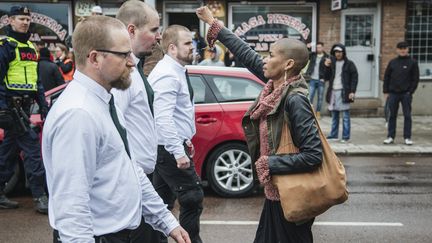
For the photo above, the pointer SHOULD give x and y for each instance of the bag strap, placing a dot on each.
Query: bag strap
(286, 144)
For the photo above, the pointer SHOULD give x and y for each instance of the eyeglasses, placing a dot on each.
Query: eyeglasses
(125, 54)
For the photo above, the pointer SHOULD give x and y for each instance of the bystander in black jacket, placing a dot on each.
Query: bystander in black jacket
(302, 126)
(401, 75)
(311, 66)
(349, 76)
(48, 72)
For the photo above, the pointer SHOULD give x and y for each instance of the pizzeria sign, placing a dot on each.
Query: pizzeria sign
(261, 41)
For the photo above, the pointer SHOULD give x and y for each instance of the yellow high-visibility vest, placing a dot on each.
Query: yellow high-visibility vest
(22, 72)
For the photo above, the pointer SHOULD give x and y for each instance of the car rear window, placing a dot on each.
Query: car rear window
(230, 89)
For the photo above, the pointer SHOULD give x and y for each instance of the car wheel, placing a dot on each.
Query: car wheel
(229, 171)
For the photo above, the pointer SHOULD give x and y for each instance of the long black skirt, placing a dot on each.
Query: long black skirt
(274, 228)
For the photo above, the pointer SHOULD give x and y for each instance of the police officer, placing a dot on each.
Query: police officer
(19, 87)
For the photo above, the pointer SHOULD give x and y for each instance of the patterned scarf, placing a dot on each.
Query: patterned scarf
(267, 102)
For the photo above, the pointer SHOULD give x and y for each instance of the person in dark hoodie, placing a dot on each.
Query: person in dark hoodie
(316, 71)
(48, 72)
(343, 78)
(400, 82)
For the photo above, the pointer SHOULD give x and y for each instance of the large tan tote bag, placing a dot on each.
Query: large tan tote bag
(307, 195)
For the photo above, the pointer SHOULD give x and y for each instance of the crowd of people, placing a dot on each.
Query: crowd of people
(116, 145)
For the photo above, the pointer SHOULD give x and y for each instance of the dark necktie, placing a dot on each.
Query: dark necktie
(191, 93)
(149, 90)
(120, 128)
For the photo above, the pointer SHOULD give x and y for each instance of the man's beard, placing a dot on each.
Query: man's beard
(123, 82)
(186, 60)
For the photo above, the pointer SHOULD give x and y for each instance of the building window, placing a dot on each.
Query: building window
(419, 34)
(261, 24)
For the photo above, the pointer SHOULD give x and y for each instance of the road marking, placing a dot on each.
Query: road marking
(387, 224)
(216, 222)
(320, 223)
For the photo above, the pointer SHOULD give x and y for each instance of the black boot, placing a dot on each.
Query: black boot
(41, 204)
(5, 203)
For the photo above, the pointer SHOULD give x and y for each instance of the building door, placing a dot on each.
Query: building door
(360, 36)
(182, 13)
(189, 20)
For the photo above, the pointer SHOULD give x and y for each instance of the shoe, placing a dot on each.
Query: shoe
(318, 115)
(389, 140)
(41, 204)
(332, 138)
(408, 141)
(344, 141)
(5, 203)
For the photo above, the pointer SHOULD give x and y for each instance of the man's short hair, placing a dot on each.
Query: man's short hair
(320, 43)
(95, 32)
(135, 12)
(171, 35)
(402, 45)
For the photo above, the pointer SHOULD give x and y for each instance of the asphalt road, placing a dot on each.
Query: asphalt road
(390, 201)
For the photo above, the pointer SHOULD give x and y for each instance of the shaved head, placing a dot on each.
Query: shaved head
(293, 49)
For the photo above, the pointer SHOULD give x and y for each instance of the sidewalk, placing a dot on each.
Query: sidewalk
(367, 135)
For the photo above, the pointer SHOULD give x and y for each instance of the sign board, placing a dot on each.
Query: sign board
(338, 4)
(260, 32)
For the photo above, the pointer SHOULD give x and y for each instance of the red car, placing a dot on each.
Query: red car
(222, 96)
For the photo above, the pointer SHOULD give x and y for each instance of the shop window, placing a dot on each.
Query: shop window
(419, 34)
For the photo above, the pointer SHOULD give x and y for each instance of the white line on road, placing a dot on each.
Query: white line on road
(320, 223)
(359, 224)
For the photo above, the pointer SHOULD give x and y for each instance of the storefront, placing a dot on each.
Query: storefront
(51, 23)
(262, 23)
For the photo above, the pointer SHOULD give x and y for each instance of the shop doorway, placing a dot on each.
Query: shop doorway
(359, 33)
(190, 20)
(182, 13)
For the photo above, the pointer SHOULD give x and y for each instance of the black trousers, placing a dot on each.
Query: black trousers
(393, 104)
(273, 227)
(28, 143)
(184, 184)
(124, 236)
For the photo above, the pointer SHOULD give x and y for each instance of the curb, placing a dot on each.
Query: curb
(382, 150)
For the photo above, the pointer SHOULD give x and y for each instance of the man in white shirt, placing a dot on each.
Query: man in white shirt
(97, 192)
(175, 174)
(136, 102)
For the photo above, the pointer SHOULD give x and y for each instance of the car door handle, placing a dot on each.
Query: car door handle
(206, 120)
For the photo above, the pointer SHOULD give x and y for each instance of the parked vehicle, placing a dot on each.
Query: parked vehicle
(222, 95)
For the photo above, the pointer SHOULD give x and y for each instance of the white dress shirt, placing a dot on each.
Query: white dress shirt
(140, 124)
(174, 111)
(94, 187)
